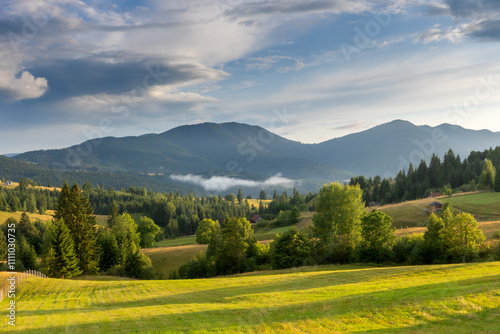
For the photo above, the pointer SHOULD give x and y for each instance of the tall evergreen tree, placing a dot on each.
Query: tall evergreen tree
(240, 196)
(263, 195)
(27, 254)
(61, 259)
(487, 179)
(497, 180)
(78, 216)
(114, 214)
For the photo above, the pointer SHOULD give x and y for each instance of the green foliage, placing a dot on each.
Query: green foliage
(147, 232)
(3, 247)
(378, 237)
(487, 178)
(287, 218)
(115, 213)
(434, 239)
(230, 197)
(61, 260)
(237, 235)
(496, 185)
(27, 255)
(77, 214)
(110, 252)
(240, 196)
(135, 264)
(262, 195)
(290, 249)
(337, 220)
(463, 238)
(410, 249)
(127, 237)
(206, 231)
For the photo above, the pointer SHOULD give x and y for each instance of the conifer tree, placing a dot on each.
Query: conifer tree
(497, 180)
(27, 254)
(61, 259)
(78, 216)
(114, 214)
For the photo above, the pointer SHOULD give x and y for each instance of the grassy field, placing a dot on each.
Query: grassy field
(167, 259)
(33, 216)
(455, 299)
(255, 202)
(484, 206)
(182, 241)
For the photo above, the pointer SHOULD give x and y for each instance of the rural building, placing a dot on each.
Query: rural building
(434, 195)
(8, 183)
(435, 207)
(255, 219)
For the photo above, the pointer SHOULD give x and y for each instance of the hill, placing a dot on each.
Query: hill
(460, 298)
(15, 170)
(253, 153)
(483, 206)
(388, 148)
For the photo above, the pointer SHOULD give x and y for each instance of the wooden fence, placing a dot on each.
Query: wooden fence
(4, 284)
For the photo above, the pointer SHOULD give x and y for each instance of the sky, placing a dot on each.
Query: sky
(308, 70)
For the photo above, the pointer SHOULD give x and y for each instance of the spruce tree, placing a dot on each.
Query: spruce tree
(497, 180)
(78, 216)
(61, 259)
(114, 214)
(27, 254)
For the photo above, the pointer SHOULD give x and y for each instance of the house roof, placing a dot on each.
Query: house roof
(436, 204)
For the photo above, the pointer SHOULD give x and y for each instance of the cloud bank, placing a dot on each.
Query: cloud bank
(222, 183)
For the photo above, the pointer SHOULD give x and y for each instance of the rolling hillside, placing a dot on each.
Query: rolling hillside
(460, 298)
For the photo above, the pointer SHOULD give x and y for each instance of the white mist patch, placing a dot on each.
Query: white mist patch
(221, 183)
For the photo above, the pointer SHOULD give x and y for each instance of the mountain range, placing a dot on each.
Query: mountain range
(252, 152)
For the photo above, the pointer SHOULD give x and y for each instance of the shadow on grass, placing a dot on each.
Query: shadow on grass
(485, 322)
(246, 318)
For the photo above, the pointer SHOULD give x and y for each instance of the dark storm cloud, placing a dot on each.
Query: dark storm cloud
(468, 8)
(105, 75)
(488, 29)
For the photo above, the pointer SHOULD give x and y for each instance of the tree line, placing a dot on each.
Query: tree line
(343, 231)
(448, 175)
(73, 244)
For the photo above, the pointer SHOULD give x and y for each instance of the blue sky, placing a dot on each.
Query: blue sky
(308, 70)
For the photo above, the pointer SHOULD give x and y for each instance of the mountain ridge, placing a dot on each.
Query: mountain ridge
(233, 148)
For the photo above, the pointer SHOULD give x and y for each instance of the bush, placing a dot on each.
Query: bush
(409, 249)
(291, 249)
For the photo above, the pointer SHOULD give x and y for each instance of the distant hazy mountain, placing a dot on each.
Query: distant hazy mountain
(10, 155)
(252, 152)
(388, 148)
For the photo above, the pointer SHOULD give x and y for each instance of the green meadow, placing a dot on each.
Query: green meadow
(460, 298)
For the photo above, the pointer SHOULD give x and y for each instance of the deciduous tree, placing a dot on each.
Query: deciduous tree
(378, 237)
(337, 220)
(463, 237)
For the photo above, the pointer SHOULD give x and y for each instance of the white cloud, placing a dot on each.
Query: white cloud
(17, 83)
(222, 183)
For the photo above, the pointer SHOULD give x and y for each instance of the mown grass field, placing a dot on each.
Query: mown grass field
(457, 299)
(484, 206)
(168, 259)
